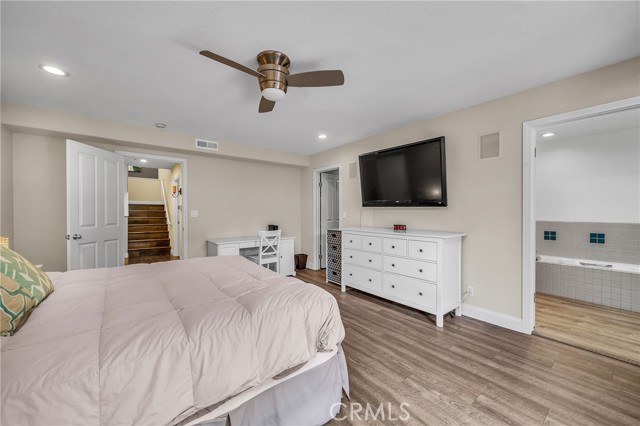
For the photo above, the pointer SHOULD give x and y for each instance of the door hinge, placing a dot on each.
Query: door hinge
(320, 184)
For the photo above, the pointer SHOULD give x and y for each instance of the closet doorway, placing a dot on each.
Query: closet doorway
(326, 210)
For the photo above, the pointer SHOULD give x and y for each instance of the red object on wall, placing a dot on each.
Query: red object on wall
(399, 227)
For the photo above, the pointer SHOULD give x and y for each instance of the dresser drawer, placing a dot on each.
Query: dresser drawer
(395, 246)
(351, 241)
(412, 268)
(410, 290)
(372, 243)
(424, 250)
(361, 258)
(361, 277)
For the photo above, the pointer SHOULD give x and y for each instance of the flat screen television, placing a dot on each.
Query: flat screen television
(412, 175)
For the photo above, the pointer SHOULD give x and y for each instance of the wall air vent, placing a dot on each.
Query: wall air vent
(210, 145)
(490, 146)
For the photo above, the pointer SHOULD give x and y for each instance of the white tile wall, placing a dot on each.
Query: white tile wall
(616, 289)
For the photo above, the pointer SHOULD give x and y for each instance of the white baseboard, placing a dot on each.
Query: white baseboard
(312, 266)
(492, 317)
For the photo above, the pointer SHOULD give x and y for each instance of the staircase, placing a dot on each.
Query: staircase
(148, 234)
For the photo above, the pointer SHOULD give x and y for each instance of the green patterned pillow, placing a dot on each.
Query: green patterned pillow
(16, 305)
(25, 273)
(23, 286)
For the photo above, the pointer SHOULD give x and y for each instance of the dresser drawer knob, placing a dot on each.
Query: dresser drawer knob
(369, 243)
(350, 241)
(369, 279)
(369, 260)
(393, 265)
(350, 257)
(420, 270)
(420, 293)
(334, 272)
(420, 250)
(393, 247)
(350, 275)
(334, 247)
(393, 286)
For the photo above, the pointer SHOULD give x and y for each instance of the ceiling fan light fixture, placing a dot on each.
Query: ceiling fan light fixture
(272, 94)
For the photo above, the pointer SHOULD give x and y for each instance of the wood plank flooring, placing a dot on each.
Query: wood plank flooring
(470, 372)
(608, 331)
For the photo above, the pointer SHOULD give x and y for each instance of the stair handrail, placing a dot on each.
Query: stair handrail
(164, 199)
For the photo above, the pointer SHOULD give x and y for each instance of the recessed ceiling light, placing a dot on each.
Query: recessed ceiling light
(160, 125)
(142, 160)
(322, 136)
(548, 134)
(54, 70)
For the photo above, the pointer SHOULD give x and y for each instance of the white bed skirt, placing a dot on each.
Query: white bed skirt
(309, 396)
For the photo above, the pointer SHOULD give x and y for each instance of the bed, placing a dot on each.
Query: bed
(216, 340)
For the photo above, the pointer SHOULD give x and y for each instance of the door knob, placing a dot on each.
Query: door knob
(76, 236)
(67, 237)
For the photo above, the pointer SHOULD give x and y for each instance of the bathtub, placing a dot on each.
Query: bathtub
(611, 284)
(591, 264)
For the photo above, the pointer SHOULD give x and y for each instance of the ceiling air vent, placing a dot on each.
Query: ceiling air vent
(210, 145)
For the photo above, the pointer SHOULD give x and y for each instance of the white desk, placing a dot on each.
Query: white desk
(246, 246)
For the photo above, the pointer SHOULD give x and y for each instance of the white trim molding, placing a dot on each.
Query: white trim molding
(529, 129)
(492, 317)
(147, 203)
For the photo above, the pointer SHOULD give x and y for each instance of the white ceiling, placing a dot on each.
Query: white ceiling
(138, 62)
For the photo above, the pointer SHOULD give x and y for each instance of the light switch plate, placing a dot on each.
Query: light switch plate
(194, 213)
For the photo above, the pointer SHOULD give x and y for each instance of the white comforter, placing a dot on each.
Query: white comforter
(152, 344)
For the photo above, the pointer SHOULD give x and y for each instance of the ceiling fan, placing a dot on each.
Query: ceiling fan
(274, 78)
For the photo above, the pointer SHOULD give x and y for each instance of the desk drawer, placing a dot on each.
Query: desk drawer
(410, 290)
(364, 259)
(412, 268)
(361, 277)
(351, 241)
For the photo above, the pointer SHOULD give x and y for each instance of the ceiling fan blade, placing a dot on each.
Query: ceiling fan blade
(316, 79)
(231, 63)
(266, 105)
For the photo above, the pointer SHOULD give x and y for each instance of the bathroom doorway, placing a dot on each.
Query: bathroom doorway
(584, 229)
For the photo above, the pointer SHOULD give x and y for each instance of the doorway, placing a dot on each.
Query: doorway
(581, 230)
(326, 210)
(156, 226)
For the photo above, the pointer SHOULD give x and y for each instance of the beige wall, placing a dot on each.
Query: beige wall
(233, 198)
(141, 189)
(32, 120)
(39, 200)
(6, 185)
(485, 197)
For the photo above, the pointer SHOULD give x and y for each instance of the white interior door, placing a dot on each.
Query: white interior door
(95, 212)
(328, 210)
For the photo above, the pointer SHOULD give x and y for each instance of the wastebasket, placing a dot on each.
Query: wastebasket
(301, 261)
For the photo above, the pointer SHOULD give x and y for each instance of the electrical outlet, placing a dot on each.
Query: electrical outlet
(470, 290)
(194, 213)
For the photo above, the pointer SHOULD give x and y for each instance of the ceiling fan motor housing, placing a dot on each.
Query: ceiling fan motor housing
(274, 66)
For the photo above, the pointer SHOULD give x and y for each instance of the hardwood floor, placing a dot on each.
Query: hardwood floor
(608, 331)
(470, 372)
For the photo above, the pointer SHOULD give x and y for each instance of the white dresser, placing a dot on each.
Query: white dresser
(247, 246)
(420, 269)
